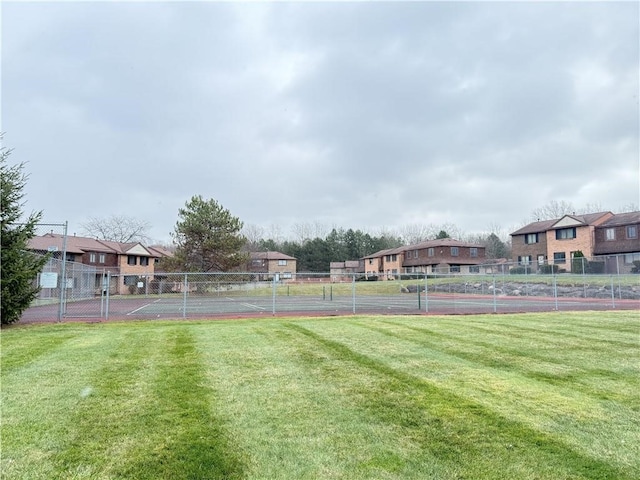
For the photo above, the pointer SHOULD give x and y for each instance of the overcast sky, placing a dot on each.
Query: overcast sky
(354, 115)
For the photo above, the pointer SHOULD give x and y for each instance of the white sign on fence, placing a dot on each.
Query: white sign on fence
(48, 280)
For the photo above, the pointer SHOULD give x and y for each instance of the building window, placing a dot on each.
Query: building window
(629, 258)
(144, 261)
(102, 258)
(454, 251)
(540, 259)
(130, 279)
(454, 268)
(131, 260)
(474, 269)
(531, 238)
(394, 257)
(71, 257)
(559, 257)
(610, 233)
(525, 260)
(632, 231)
(431, 252)
(473, 251)
(415, 254)
(565, 233)
(92, 258)
(286, 275)
(282, 263)
(371, 261)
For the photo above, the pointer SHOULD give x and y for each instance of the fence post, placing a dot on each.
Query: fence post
(184, 296)
(613, 293)
(273, 295)
(555, 288)
(62, 308)
(584, 279)
(426, 293)
(618, 258)
(495, 302)
(106, 313)
(353, 291)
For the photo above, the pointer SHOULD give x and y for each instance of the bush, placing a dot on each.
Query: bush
(548, 269)
(520, 270)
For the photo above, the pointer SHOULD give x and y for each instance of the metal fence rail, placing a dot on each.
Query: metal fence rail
(217, 295)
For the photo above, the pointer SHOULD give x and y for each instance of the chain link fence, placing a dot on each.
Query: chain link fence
(500, 288)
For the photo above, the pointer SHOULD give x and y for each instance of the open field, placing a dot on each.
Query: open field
(533, 396)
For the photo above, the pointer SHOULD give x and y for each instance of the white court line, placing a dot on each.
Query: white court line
(245, 304)
(140, 308)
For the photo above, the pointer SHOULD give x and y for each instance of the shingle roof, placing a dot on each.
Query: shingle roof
(270, 256)
(628, 218)
(544, 225)
(80, 245)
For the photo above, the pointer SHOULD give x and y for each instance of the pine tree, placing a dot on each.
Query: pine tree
(207, 238)
(18, 267)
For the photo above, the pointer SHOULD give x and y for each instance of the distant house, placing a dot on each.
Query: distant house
(555, 242)
(270, 264)
(385, 264)
(438, 256)
(128, 264)
(445, 255)
(618, 241)
(338, 270)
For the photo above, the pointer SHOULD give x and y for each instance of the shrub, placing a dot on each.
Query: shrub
(548, 269)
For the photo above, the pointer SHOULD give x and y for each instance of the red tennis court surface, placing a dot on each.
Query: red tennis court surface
(198, 307)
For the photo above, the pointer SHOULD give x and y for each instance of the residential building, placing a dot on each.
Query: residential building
(270, 264)
(385, 264)
(445, 255)
(554, 242)
(128, 264)
(340, 270)
(617, 241)
(438, 256)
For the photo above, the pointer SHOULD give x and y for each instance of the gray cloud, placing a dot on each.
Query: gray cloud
(358, 115)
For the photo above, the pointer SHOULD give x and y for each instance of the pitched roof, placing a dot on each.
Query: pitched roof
(270, 256)
(544, 225)
(388, 251)
(442, 242)
(80, 245)
(628, 218)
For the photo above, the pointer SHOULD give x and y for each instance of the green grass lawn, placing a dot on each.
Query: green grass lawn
(534, 396)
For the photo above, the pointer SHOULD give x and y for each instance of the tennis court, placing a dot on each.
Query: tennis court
(224, 306)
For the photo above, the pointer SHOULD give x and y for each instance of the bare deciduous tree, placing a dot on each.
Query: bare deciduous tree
(117, 228)
(553, 209)
(253, 233)
(415, 233)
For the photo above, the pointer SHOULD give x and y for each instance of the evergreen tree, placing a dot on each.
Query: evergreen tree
(18, 267)
(207, 238)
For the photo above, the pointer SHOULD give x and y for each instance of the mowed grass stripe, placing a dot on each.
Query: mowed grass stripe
(294, 423)
(26, 350)
(101, 425)
(469, 436)
(182, 431)
(619, 329)
(583, 373)
(45, 401)
(603, 408)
